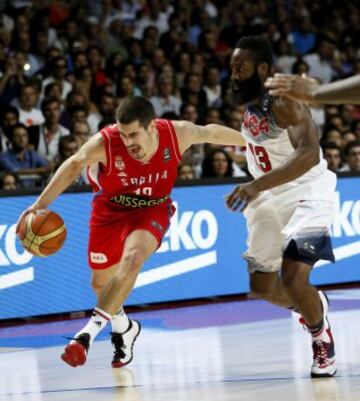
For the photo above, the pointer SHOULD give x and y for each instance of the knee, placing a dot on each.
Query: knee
(133, 259)
(261, 289)
(293, 282)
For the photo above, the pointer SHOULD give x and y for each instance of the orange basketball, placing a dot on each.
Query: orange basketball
(42, 233)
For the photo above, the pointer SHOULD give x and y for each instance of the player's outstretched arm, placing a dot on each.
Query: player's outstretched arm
(305, 89)
(190, 134)
(91, 152)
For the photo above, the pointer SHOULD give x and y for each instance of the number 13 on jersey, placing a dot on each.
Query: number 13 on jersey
(261, 157)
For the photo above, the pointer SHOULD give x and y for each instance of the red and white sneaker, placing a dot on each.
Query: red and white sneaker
(124, 344)
(75, 353)
(324, 364)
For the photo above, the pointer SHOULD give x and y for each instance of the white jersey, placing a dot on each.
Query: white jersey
(268, 145)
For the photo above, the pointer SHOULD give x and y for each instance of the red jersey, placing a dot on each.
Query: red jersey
(126, 184)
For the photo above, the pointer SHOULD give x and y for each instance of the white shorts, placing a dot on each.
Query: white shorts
(274, 220)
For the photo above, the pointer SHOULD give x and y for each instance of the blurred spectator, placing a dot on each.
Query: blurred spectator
(217, 163)
(185, 172)
(347, 136)
(352, 157)
(45, 137)
(285, 58)
(81, 132)
(321, 63)
(151, 16)
(9, 181)
(58, 70)
(105, 110)
(68, 146)
(212, 87)
(304, 37)
(192, 92)
(333, 135)
(9, 116)
(165, 101)
(11, 79)
(332, 154)
(28, 164)
(29, 114)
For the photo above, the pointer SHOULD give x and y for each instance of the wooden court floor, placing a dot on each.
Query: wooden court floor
(219, 352)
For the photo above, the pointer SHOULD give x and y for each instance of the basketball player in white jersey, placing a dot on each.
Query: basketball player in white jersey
(289, 204)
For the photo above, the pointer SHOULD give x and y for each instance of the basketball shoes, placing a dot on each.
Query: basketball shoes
(124, 343)
(75, 353)
(324, 364)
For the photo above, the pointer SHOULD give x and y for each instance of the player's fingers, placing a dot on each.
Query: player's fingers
(23, 214)
(238, 204)
(283, 76)
(232, 197)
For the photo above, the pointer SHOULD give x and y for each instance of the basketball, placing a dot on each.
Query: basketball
(42, 233)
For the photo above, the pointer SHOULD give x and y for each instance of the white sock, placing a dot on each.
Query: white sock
(97, 322)
(120, 322)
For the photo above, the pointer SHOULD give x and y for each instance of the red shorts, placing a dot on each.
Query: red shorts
(107, 238)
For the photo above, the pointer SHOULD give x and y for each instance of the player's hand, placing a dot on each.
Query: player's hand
(240, 197)
(31, 209)
(295, 87)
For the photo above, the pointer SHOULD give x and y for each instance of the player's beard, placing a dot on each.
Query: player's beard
(247, 90)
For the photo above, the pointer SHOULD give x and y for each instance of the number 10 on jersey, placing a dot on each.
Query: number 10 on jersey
(146, 191)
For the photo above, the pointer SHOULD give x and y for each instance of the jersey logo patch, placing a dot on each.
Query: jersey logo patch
(254, 125)
(167, 154)
(98, 257)
(119, 163)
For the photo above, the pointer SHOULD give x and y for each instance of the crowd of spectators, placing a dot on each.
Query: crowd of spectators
(66, 65)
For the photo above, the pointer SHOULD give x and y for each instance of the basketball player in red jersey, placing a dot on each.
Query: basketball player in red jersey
(132, 166)
(290, 203)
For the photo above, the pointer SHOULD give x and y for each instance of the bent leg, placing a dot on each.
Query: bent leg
(100, 277)
(295, 279)
(268, 286)
(138, 247)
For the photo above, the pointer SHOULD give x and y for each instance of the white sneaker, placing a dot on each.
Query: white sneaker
(123, 344)
(324, 364)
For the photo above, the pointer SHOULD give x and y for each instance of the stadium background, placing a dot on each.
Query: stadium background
(65, 66)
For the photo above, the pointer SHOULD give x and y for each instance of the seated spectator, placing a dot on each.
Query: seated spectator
(29, 114)
(217, 163)
(9, 181)
(9, 117)
(284, 56)
(165, 101)
(212, 87)
(57, 67)
(185, 172)
(352, 157)
(81, 132)
(332, 135)
(192, 92)
(68, 146)
(22, 160)
(322, 60)
(347, 136)
(45, 137)
(106, 110)
(78, 114)
(332, 154)
(11, 79)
